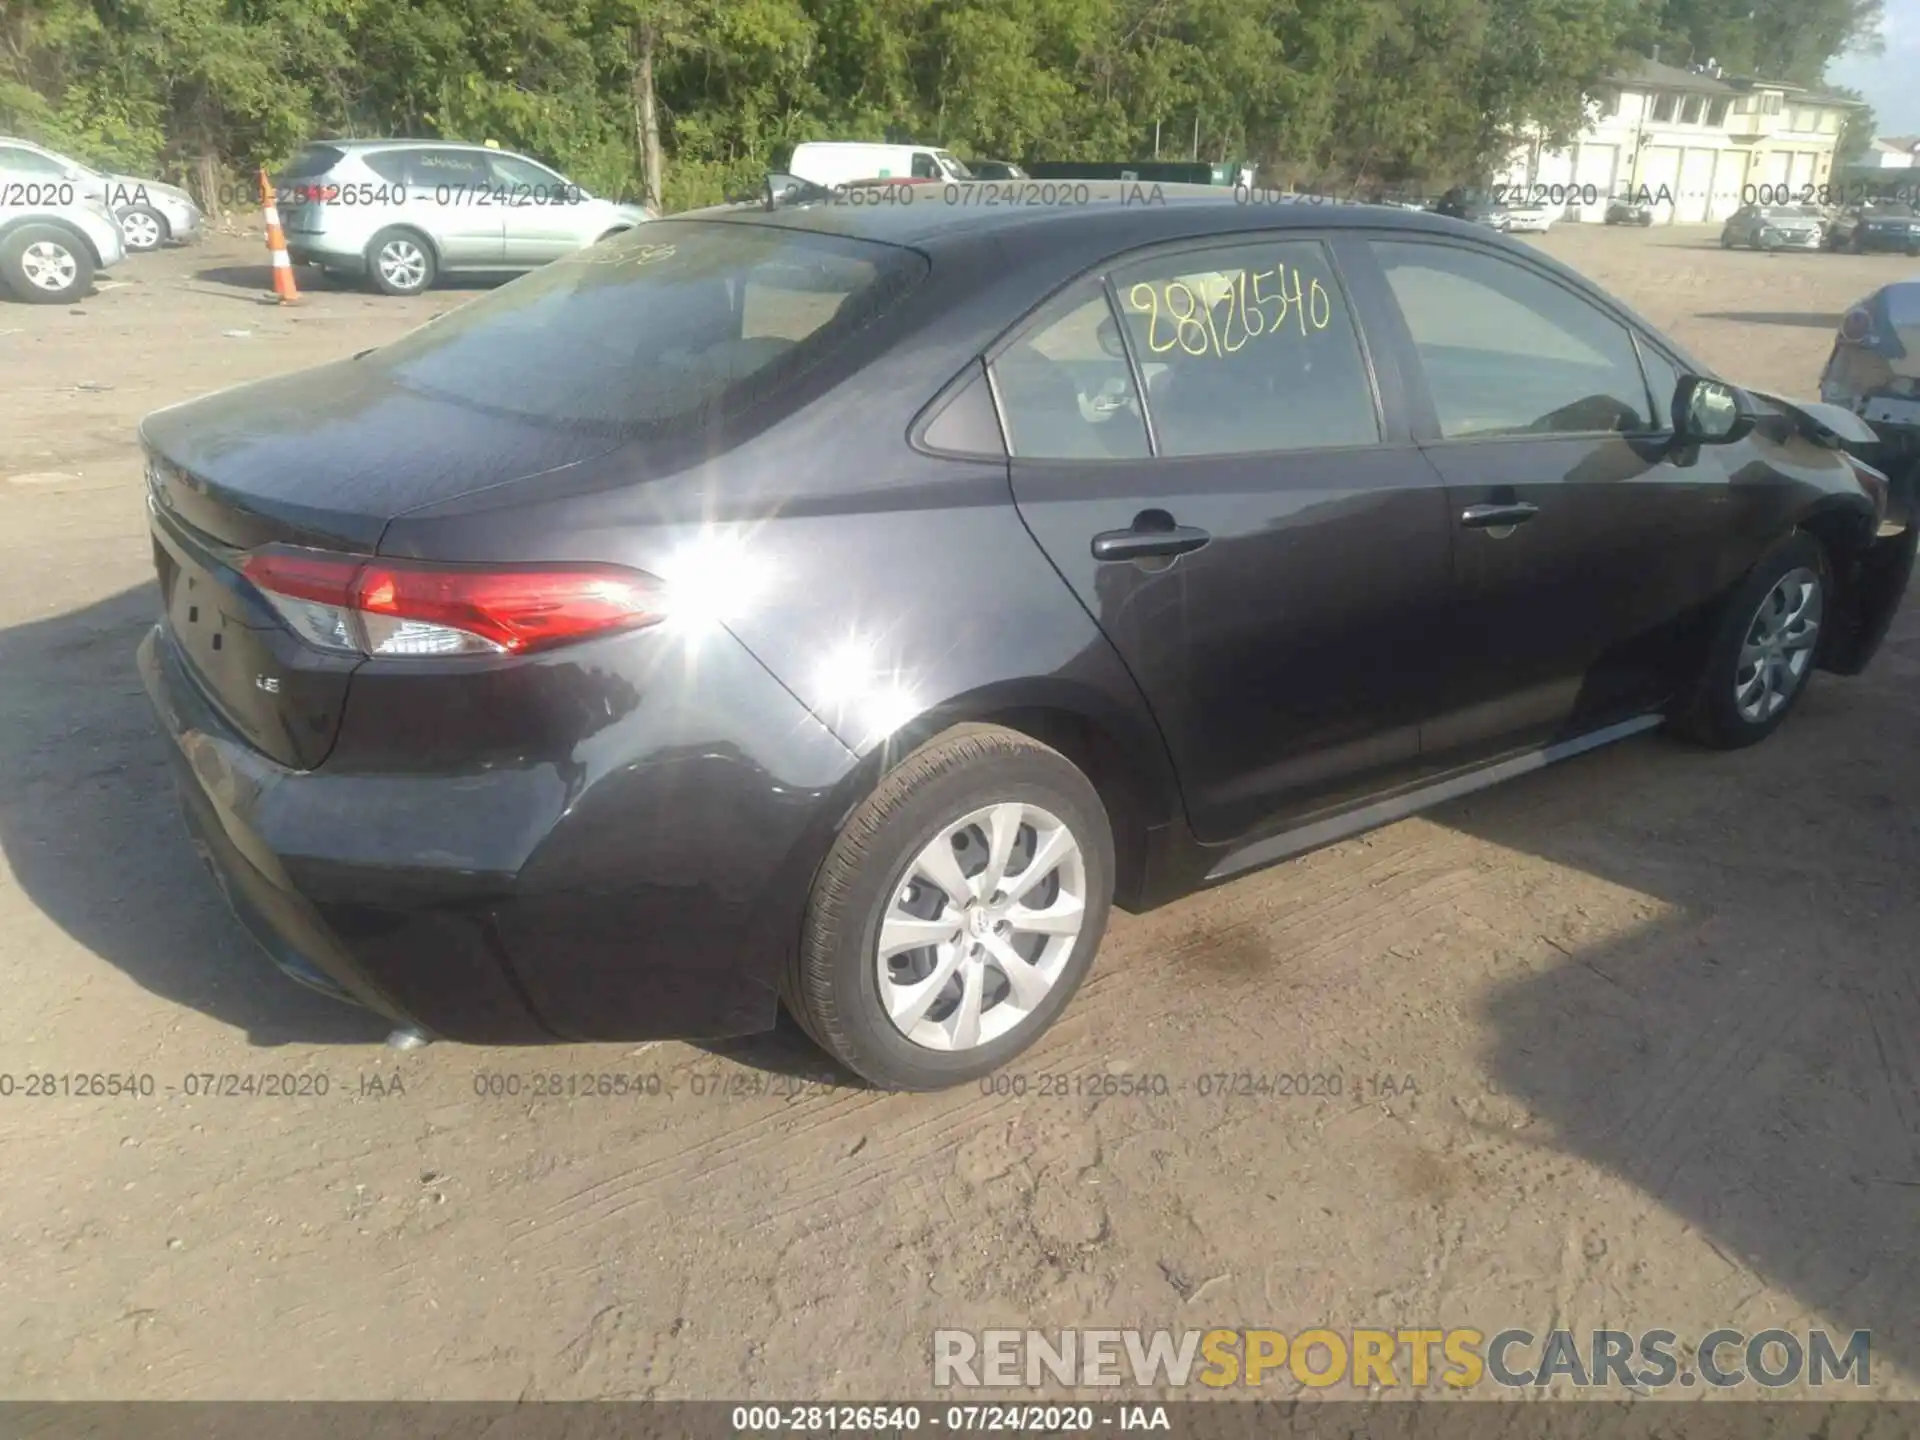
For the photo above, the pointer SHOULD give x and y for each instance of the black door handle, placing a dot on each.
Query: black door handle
(1492, 517)
(1138, 544)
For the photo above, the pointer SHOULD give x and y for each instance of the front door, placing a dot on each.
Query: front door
(453, 192)
(541, 213)
(1258, 538)
(1585, 546)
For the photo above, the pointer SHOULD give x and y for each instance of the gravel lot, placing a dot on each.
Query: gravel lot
(1651, 1024)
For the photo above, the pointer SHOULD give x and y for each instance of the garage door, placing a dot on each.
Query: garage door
(1660, 177)
(1801, 175)
(1729, 178)
(1773, 170)
(1593, 166)
(1696, 187)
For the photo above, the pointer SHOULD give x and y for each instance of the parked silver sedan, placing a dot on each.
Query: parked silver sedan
(1774, 227)
(399, 213)
(151, 213)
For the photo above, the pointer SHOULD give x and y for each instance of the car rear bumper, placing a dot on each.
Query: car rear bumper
(313, 250)
(511, 905)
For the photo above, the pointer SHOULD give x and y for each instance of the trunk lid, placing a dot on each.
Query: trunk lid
(324, 459)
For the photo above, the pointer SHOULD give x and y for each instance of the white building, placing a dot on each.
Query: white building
(1696, 143)
(1891, 152)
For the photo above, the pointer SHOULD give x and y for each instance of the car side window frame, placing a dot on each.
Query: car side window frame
(1386, 385)
(1426, 415)
(1644, 346)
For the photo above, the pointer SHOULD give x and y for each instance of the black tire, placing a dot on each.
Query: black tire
(1726, 241)
(1711, 716)
(150, 226)
(420, 274)
(54, 250)
(833, 988)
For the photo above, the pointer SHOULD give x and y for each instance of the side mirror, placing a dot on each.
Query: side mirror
(1709, 412)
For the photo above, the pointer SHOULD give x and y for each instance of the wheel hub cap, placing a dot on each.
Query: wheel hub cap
(980, 926)
(48, 265)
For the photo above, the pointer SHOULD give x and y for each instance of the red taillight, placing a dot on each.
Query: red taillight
(1856, 326)
(385, 607)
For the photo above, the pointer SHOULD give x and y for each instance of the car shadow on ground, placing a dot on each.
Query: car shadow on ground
(259, 278)
(1748, 1058)
(1799, 319)
(93, 834)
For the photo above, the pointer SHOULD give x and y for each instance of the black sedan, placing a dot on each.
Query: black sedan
(1887, 226)
(840, 607)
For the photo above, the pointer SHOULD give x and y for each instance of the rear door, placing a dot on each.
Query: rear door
(1260, 539)
(452, 195)
(1583, 544)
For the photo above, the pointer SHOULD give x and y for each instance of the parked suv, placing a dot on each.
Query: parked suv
(53, 237)
(1887, 226)
(151, 213)
(401, 212)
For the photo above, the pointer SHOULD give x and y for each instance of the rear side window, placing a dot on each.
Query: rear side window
(1506, 351)
(28, 162)
(677, 324)
(1065, 389)
(1247, 349)
(312, 161)
(448, 167)
(389, 165)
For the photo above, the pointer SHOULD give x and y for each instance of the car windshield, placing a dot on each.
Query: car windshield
(952, 166)
(658, 329)
(1904, 212)
(1791, 212)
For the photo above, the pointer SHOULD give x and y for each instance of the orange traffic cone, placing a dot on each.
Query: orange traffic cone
(283, 285)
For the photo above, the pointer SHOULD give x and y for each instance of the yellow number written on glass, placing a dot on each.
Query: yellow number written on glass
(1225, 314)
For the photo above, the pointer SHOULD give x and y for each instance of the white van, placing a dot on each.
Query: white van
(840, 162)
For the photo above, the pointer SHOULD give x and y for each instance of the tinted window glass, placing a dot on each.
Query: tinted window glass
(314, 160)
(1507, 351)
(1065, 390)
(512, 170)
(686, 322)
(447, 167)
(924, 166)
(1247, 349)
(29, 162)
(389, 165)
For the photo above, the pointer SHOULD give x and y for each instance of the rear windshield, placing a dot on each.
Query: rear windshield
(1898, 212)
(1791, 212)
(656, 329)
(314, 160)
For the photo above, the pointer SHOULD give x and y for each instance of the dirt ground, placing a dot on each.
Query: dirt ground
(1651, 1023)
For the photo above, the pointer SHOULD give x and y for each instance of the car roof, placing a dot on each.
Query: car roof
(357, 145)
(1131, 211)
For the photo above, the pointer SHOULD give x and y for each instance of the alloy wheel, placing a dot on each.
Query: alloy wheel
(141, 230)
(49, 265)
(980, 926)
(403, 264)
(1779, 646)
